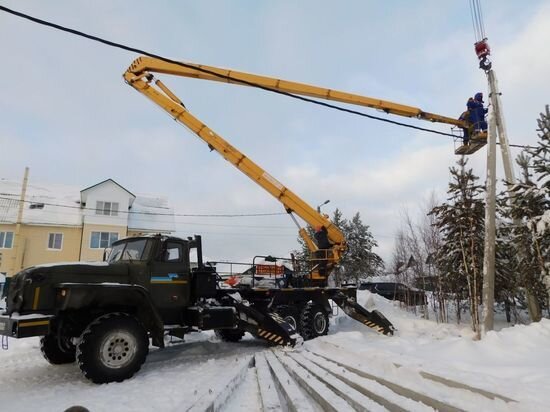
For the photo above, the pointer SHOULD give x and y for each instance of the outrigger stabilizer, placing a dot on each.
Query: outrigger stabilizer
(373, 319)
(266, 325)
(266, 312)
(272, 327)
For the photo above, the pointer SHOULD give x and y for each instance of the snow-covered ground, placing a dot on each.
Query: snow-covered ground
(203, 372)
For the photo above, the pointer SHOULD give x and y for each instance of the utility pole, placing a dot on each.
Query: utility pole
(490, 227)
(501, 128)
(497, 127)
(18, 243)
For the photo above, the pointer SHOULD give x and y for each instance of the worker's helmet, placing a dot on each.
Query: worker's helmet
(318, 228)
(479, 97)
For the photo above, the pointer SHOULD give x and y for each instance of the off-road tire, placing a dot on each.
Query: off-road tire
(290, 314)
(313, 321)
(52, 352)
(229, 335)
(112, 348)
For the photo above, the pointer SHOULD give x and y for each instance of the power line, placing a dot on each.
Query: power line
(201, 69)
(149, 213)
(521, 146)
(477, 20)
(51, 222)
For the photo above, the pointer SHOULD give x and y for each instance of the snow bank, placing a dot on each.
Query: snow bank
(514, 362)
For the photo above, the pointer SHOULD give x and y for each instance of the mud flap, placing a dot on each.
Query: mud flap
(268, 326)
(374, 319)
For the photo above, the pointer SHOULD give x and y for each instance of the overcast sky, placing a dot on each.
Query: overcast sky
(68, 115)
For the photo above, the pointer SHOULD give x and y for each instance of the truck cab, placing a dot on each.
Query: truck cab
(105, 314)
(161, 265)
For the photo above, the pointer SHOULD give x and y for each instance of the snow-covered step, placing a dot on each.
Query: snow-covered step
(435, 377)
(398, 388)
(460, 385)
(393, 400)
(296, 400)
(458, 395)
(355, 398)
(321, 393)
(214, 395)
(268, 391)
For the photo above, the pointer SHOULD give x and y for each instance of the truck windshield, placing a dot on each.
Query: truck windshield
(130, 250)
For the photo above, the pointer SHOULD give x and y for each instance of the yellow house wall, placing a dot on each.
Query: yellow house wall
(7, 254)
(34, 241)
(89, 254)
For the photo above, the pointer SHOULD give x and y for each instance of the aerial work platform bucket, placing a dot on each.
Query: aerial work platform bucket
(476, 142)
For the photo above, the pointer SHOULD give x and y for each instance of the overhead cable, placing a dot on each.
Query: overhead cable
(248, 83)
(150, 213)
(476, 18)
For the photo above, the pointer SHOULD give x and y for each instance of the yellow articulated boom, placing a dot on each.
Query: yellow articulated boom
(144, 65)
(140, 75)
(162, 96)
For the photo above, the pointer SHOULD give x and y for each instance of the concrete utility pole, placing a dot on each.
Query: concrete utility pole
(490, 228)
(501, 128)
(496, 127)
(18, 243)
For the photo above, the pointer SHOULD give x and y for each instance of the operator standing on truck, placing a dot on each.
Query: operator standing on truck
(324, 245)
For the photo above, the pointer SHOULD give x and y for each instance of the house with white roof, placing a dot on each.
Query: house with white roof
(62, 223)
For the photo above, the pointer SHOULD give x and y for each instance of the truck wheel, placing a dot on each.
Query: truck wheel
(313, 321)
(290, 315)
(52, 352)
(229, 335)
(112, 348)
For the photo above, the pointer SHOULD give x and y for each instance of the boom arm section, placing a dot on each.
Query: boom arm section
(143, 82)
(203, 72)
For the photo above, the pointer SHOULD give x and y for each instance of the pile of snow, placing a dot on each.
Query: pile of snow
(514, 362)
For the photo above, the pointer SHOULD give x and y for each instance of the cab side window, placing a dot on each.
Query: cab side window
(173, 252)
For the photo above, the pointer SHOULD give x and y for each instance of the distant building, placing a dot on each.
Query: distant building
(62, 223)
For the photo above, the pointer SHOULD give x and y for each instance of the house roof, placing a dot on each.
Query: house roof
(49, 204)
(61, 204)
(107, 180)
(83, 194)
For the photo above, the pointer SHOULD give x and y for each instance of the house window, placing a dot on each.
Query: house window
(106, 208)
(101, 240)
(55, 241)
(6, 240)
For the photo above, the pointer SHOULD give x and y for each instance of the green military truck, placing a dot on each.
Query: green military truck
(104, 315)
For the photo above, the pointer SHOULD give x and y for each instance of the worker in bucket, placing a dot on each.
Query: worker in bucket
(477, 113)
(466, 117)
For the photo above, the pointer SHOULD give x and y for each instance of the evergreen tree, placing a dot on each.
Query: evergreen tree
(523, 244)
(360, 261)
(342, 224)
(531, 238)
(541, 166)
(507, 264)
(461, 222)
(541, 154)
